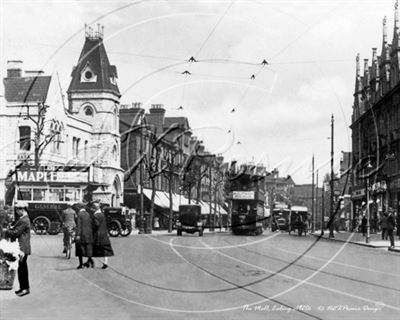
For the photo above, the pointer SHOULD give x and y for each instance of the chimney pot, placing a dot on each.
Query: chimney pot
(14, 68)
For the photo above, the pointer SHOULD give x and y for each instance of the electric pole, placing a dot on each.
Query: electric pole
(331, 216)
(312, 198)
(141, 226)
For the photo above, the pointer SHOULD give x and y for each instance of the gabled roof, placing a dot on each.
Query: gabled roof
(26, 89)
(94, 56)
(181, 121)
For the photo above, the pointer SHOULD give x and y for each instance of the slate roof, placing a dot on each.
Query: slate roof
(181, 121)
(94, 54)
(26, 89)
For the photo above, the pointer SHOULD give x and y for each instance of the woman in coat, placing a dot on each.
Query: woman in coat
(21, 231)
(101, 241)
(84, 237)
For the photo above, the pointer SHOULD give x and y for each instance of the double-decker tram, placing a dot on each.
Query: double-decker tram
(247, 199)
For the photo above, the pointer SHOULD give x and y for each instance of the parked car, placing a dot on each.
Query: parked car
(119, 221)
(189, 220)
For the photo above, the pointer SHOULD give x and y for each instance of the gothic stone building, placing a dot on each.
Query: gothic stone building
(376, 128)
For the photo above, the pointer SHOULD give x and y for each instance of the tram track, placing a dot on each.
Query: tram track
(315, 269)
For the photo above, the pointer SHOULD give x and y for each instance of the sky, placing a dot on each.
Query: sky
(282, 115)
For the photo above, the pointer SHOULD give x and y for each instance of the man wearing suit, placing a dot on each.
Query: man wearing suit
(21, 230)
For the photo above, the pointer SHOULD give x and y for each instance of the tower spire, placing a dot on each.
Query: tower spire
(384, 38)
(395, 41)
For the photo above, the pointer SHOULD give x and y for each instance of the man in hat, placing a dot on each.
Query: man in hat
(21, 230)
(391, 223)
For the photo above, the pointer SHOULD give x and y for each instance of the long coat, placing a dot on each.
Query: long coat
(101, 242)
(84, 234)
(21, 231)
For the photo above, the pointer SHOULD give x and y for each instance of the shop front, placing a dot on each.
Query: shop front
(359, 199)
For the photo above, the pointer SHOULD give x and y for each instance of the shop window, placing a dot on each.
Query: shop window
(25, 138)
(39, 194)
(24, 194)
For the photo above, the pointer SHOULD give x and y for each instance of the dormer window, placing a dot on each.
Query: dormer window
(88, 75)
(113, 80)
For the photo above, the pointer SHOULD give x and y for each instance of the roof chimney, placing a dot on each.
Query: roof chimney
(14, 69)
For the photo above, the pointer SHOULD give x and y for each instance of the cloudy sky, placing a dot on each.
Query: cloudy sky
(282, 116)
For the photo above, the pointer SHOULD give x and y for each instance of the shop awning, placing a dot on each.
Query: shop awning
(161, 199)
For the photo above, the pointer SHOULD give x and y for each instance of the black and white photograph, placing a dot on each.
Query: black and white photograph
(199, 159)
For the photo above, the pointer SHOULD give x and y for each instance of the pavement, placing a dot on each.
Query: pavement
(375, 239)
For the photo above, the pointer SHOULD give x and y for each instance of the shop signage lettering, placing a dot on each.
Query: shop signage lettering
(358, 193)
(52, 176)
(46, 206)
(244, 195)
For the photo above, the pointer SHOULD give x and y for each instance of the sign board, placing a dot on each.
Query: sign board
(243, 195)
(52, 176)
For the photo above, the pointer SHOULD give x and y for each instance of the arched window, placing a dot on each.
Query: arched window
(25, 138)
(115, 153)
(88, 111)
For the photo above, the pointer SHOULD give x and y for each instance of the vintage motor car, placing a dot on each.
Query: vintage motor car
(119, 221)
(189, 220)
(298, 220)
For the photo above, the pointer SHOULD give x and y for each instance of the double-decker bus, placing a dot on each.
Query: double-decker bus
(248, 198)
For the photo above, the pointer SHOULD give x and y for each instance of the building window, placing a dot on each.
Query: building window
(88, 111)
(115, 153)
(86, 151)
(75, 147)
(25, 138)
(87, 74)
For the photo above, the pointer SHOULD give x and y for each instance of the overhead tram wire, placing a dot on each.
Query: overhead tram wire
(192, 59)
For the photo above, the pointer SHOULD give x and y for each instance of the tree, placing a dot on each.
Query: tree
(43, 136)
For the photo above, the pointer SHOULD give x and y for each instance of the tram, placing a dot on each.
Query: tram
(247, 198)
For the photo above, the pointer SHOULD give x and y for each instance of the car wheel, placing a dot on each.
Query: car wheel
(114, 228)
(126, 231)
(41, 225)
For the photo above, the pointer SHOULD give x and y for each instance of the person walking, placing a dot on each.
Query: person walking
(101, 242)
(364, 225)
(68, 217)
(398, 224)
(84, 237)
(391, 223)
(21, 231)
(384, 226)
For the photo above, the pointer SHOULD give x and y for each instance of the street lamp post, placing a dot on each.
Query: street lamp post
(368, 214)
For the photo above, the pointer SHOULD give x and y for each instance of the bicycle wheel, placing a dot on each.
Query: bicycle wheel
(69, 247)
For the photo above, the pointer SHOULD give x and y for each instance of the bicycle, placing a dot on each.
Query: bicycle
(69, 233)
